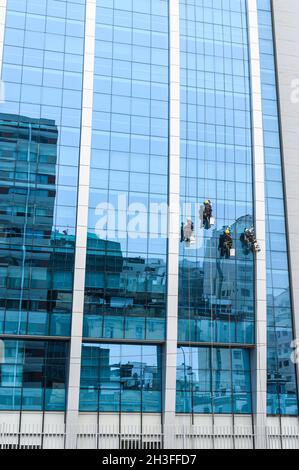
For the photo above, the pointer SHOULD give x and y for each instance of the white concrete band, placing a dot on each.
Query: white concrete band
(259, 356)
(82, 224)
(173, 217)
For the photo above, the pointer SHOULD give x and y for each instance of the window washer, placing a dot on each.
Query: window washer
(225, 244)
(207, 214)
(244, 241)
(188, 231)
(249, 240)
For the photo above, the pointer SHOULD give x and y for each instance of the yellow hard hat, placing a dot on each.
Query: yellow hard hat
(227, 231)
(207, 202)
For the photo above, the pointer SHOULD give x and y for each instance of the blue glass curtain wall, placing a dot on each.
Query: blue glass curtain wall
(40, 120)
(282, 384)
(216, 295)
(213, 380)
(125, 286)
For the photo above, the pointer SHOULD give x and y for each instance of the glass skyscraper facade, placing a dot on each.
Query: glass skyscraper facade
(92, 286)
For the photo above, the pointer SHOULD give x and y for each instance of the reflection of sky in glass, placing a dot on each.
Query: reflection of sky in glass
(125, 295)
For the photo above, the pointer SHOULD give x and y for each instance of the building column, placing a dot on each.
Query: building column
(286, 21)
(259, 354)
(73, 395)
(170, 350)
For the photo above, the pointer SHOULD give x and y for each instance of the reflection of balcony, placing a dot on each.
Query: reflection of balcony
(277, 383)
(216, 330)
(207, 402)
(124, 327)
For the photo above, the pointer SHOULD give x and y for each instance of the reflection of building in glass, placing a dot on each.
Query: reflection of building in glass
(213, 380)
(124, 296)
(217, 294)
(36, 287)
(114, 378)
(191, 286)
(33, 375)
(282, 389)
(229, 284)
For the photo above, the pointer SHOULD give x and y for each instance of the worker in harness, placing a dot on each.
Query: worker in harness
(225, 244)
(207, 214)
(249, 241)
(187, 231)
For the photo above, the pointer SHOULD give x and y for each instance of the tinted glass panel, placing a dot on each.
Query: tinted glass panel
(120, 377)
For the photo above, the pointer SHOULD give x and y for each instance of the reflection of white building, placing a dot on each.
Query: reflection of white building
(144, 274)
(134, 375)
